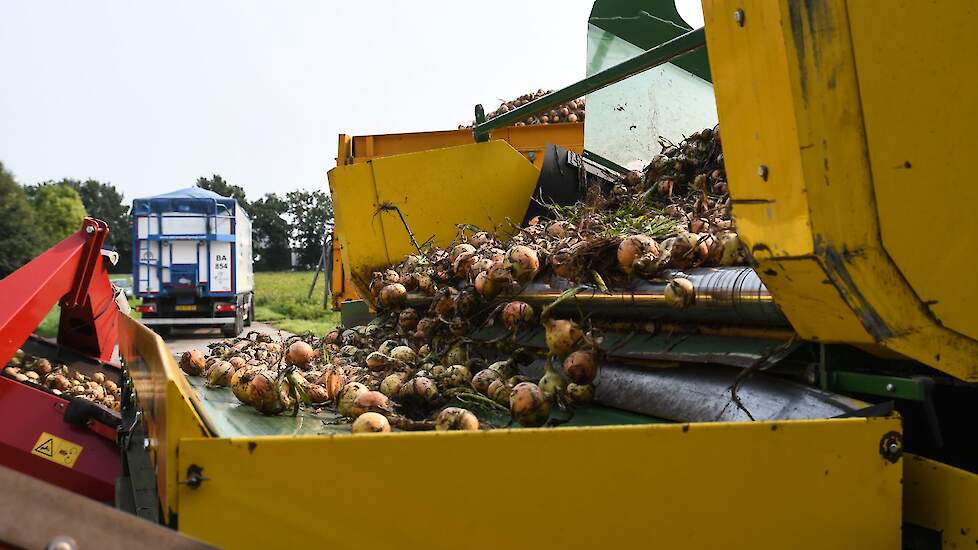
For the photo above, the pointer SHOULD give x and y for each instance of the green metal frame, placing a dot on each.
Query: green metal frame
(649, 59)
(880, 385)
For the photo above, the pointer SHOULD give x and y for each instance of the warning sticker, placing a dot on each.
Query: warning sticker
(58, 450)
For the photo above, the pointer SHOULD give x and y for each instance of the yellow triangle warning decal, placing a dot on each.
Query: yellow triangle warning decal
(46, 448)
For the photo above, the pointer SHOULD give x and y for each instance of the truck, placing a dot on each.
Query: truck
(192, 261)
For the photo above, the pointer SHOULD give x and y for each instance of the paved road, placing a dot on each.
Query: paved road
(187, 339)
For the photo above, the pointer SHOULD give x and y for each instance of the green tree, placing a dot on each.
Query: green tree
(58, 211)
(271, 233)
(105, 202)
(19, 236)
(312, 222)
(217, 184)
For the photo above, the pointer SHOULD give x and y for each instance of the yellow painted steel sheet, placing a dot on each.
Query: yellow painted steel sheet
(942, 498)
(799, 484)
(797, 155)
(483, 184)
(919, 111)
(165, 401)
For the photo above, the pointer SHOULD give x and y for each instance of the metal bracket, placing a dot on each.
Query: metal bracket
(194, 477)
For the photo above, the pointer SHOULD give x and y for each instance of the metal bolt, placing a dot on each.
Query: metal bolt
(89, 229)
(739, 17)
(146, 443)
(61, 543)
(890, 387)
(894, 448)
(762, 171)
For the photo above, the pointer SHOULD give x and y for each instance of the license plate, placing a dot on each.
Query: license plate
(187, 308)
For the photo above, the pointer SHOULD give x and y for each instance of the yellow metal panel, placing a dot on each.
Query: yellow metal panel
(805, 295)
(483, 184)
(800, 484)
(789, 100)
(919, 111)
(942, 498)
(166, 402)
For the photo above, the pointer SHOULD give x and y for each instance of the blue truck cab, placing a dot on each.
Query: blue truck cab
(192, 261)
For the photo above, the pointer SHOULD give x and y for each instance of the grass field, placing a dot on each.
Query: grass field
(280, 300)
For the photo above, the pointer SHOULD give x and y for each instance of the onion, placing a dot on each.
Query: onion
(370, 422)
(552, 382)
(192, 362)
(333, 381)
(523, 262)
(515, 314)
(505, 369)
(332, 337)
(408, 320)
(386, 347)
(220, 374)
(267, 395)
(579, 394)
(480, 283)
(581, 367)
(482, 379)
(688, 250)
(238, 363)
(680, 293)
(456, 355)
(409, 280)
(457, 376)
(558, 229)
(42, 367)
(300, 354)
(479, 239)
(562, 335)
(391, 385)
(240, 381)
(377, 361)
(97, 377)
(528, 405)
(572, 117)
(455, 418)
(499, 392)
(633, 250)
(369, 400)
(444, 302)
(392, 296)
(348, 395)
(404, 354)
(425, 284)
(317, 393)
(461, 250)
(59, 382)
(110, 386)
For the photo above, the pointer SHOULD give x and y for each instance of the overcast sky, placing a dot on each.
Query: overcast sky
(151, 95)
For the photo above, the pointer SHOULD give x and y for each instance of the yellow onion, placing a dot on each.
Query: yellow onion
(461, 250)
(679, 293)
(317, 393)
(635, 251)
(59, 382)
(456, 355)
(391, 385)
(579, 394)
(480, 283)
(689, 250)
(333, 381)
(562, 335)
(268, 395)
(43, 367)
(505, 369)
(404, 354)
(332, 337)
(220, 374)
(455, 418)
(300, 354)
(238, 363)
(552, 382)
(408, 320)
(499, 392)
(392, 296)
(515, 314)
(457, 376)
(377, 361)
(192, 362)
(369, 400)
(581, 367)
(347, 397)
(523, 262)
(370, 422)
(479, 239)
(482, 379)
(528, 405)
(240, 381)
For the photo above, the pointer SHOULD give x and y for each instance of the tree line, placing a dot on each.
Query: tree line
(36, 217)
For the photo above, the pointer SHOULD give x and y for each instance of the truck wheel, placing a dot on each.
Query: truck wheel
(230, 331)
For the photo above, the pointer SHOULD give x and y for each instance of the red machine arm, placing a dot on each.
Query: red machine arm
(70, 272)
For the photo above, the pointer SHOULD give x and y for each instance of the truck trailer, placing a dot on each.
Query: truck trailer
(192, 261)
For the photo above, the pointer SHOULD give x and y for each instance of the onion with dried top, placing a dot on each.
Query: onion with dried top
(370, 422)
(455, 418)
